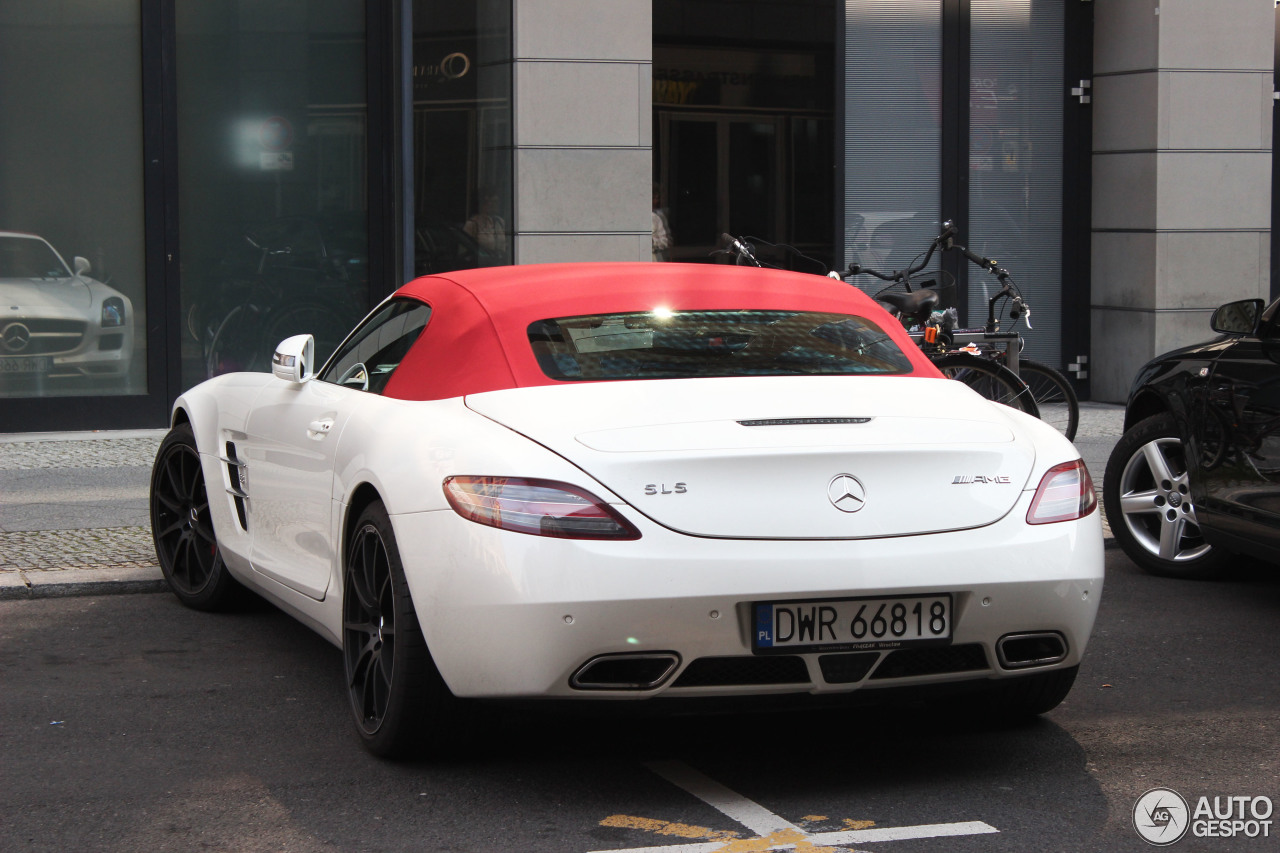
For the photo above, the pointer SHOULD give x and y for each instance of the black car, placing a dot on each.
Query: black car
(1196, 477)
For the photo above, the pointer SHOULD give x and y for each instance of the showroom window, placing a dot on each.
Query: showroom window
(72, 277)
(272, 171)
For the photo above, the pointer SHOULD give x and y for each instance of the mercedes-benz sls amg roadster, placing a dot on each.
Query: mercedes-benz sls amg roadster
(635, 482)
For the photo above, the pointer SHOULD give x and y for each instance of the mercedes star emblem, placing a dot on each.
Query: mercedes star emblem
(15, 337)
(847, 493)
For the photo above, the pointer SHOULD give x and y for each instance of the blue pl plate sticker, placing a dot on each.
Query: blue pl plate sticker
(764, 626)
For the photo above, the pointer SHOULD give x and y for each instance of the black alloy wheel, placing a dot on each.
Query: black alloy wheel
(400, 703)
(1149, 506)
(182, 525)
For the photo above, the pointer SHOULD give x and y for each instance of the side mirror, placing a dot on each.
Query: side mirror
(294, 359)
(1238, 318)
(81, 265)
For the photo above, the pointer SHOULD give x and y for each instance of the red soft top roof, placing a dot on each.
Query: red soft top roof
(477, 337)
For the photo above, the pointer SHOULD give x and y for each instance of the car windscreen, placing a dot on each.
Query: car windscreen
(684, 344)
(22, 257)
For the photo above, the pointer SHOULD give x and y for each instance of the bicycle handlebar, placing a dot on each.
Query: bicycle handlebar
(946, 241)
(739, 248)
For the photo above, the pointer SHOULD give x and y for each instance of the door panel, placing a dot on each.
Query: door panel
(1242, 425)
(292, 439)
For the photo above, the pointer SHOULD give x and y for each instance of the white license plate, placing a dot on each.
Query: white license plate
(25, 364)
(851, 624)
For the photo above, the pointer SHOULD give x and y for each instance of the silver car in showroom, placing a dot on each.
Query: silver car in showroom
(56, 323)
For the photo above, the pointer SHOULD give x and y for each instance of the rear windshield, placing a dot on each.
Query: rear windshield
(684, 344)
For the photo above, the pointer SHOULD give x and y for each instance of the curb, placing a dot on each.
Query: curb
(80, 581)
(80, 588)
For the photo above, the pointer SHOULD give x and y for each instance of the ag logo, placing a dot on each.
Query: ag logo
(1161, 817)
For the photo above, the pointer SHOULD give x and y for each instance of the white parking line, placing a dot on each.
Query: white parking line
(753, 816)
(903, 833)
(773, 832)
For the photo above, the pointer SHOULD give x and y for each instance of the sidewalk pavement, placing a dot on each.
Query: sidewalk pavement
(74, 517)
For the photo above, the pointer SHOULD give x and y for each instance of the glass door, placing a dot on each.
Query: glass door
(1016, 160)
(920, 146)
(723, 174)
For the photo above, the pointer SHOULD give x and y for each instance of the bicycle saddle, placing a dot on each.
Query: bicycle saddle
(917, 304)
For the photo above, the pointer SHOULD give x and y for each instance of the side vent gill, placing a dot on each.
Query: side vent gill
(235, 474)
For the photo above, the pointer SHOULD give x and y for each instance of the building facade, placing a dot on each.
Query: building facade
(183, 184)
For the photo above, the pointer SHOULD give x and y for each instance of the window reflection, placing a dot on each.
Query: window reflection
(461, 134)
(71, 235)
(272, 170)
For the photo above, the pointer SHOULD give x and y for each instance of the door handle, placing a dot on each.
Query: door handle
(320, 428)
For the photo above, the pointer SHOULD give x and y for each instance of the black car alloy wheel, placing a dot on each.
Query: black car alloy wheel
(369, 628)
(400, 703)
(182, 526)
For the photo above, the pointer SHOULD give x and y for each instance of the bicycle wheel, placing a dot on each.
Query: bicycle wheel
(325, 324)
(232, 348)
(1054, 395)
(993, 381)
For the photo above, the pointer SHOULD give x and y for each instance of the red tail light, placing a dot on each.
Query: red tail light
(1065, 493)
(536, 507)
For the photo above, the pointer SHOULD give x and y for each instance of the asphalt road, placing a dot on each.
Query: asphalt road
(129, 723)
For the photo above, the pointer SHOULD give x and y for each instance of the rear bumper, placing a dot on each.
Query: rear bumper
(511, 615)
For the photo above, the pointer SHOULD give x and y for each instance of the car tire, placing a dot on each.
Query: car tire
(182, 525)
(401, 705)
(1147, 496)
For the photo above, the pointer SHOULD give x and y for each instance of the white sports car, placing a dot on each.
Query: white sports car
(55, 322)
(628, 481)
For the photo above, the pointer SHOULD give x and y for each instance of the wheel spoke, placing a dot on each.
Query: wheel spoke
(1157, 462)
(373, 692)
(1171, 538)
(360, 583)
(182, 560)
(202, 562)
(364, 658)
(168, 501)
(205, 532)
(170, 528)
(385, 662)
(366, 628)
(1133, 503)
(172, 473)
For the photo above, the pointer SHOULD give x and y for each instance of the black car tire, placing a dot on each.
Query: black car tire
(1147, 495)
(401, 705)
(182, 526)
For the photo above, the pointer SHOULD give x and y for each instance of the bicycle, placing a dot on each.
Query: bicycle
(1054, 396)
(271, 302)
(992, 380)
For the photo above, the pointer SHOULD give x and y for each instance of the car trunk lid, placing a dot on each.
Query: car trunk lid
(783, 457)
